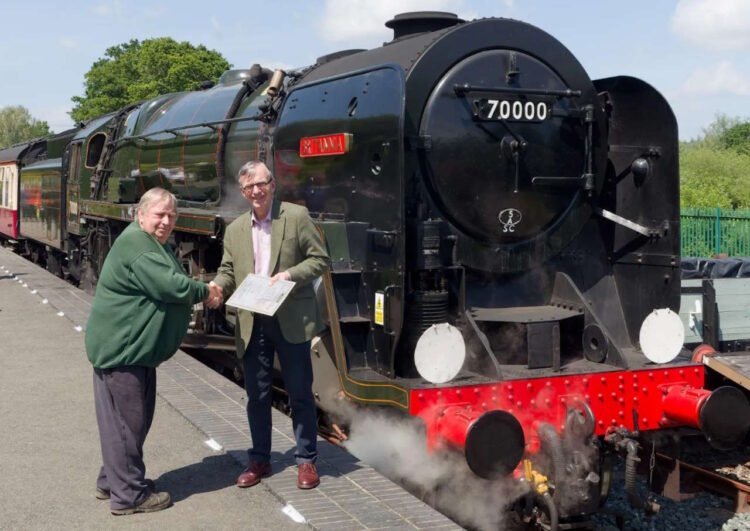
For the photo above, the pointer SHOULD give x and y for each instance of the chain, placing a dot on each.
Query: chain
(652, 465)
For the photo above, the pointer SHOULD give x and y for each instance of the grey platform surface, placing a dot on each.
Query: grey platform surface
(45, 310)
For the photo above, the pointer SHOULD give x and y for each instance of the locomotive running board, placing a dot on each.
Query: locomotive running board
(733, 367)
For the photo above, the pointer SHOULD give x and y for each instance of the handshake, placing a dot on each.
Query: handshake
(215, 296)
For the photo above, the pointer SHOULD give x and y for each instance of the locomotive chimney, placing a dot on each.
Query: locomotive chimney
(414, 22)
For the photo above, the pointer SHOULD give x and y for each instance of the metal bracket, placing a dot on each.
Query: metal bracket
(632, 225)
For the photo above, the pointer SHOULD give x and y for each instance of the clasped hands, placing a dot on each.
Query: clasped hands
(216, 293)
(215, 296)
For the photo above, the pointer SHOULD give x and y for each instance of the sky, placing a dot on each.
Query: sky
(695, 52)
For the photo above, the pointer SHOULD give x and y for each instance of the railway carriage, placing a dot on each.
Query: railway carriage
(9, 191)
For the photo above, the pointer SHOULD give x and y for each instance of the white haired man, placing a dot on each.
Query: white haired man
(141, 310)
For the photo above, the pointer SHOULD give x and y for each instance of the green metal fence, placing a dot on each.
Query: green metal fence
(712, 231)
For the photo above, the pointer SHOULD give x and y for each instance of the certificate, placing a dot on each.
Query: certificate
(256, 295)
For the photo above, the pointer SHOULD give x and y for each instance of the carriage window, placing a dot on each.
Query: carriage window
(5, 187)
(95, 149)
(3, 200)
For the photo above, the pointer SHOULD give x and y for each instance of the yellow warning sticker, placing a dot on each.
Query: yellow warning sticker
(379, 308)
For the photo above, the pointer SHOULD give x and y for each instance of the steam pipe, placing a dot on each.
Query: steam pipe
(606, 478)
(552, 441)
(554, 518)
(492, 442)
(258, 76)
(631, 460)
(277, 80)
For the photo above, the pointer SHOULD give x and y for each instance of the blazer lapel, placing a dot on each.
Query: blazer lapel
(247, 243)
(277, 235)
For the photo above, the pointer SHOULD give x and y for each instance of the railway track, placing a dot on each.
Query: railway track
(726, 475)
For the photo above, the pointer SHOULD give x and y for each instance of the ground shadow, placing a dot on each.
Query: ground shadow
(11, 276)
(214, 472)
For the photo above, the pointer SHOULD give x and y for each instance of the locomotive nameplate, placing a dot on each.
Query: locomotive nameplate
(511, 109)
(325, 145)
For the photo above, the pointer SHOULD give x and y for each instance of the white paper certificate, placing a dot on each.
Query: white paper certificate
(255, 294)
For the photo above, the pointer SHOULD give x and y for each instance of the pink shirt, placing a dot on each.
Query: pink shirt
(262, 244)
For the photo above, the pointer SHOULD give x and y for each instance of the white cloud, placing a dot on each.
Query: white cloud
(721, 78)
(111, 8)
(155, 11)
(715, 24)
(69, 43)
(363, 21)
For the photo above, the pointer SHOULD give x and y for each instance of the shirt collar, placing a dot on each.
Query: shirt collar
(256, 221)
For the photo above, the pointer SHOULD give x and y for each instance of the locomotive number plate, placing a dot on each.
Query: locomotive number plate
(512, 110)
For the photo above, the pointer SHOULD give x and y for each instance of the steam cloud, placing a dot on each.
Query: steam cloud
(396, 446)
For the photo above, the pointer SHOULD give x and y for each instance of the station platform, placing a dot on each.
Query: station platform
(195, 450)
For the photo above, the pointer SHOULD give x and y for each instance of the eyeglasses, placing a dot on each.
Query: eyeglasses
(261, 185)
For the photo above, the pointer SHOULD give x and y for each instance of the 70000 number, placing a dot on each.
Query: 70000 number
(512, 110)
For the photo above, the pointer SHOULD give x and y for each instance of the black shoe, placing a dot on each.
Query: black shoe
(103, 494)
(156, 501)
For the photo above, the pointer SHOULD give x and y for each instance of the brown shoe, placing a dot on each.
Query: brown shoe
(253, 473)
(307, 476)
(156, 501)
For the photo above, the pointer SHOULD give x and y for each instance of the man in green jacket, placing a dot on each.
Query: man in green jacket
(280, 241)
(140, 314)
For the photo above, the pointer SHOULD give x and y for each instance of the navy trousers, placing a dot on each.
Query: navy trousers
(125, 399)
(296, 369)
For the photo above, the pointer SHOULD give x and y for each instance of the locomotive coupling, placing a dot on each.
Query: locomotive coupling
(708, 411)
(492, 442)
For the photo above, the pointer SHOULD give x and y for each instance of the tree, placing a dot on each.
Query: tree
(17, 125)
(737, 138)
(134, 71)
(715, 169)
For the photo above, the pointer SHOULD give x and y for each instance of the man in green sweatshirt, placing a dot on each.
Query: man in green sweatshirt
(140, 314)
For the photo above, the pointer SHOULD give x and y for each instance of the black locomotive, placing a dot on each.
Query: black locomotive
(500, 226)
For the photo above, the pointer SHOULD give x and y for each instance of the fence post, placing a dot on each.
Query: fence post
(717, 231)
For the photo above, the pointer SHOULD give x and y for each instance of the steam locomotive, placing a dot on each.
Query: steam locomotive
(503, 231)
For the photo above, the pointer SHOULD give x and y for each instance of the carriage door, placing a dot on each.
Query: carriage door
(71, 173)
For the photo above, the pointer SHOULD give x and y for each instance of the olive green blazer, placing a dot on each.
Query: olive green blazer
(297, 248)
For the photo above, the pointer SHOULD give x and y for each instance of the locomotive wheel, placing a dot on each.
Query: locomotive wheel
(89, 278)
(54, 264)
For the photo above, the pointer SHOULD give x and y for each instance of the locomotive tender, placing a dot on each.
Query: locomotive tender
(500, 226)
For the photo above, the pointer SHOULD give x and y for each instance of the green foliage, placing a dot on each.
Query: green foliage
(713, 134)
(134, 71)
(737, 138)
(714, 178)
(715, 169)
(17, 125)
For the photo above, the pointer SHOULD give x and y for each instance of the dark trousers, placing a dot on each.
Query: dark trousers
(125, 399)
(296, 369)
